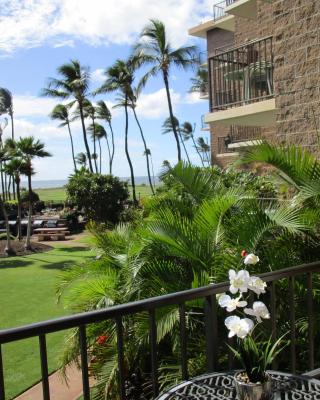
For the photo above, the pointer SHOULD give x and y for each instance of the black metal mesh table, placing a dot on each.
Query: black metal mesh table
(219, 386)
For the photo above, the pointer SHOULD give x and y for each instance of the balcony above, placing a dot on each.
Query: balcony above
(219, 20)
(241, 82)
(243, 8)
(237, 138)
(262, 113)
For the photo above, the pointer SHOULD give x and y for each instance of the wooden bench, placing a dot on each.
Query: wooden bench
(51, 236)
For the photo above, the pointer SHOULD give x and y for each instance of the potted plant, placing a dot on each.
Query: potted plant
(254, 353)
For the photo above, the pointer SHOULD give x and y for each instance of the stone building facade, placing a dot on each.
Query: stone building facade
(294, 26)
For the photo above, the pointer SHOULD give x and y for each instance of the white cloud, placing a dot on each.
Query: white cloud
(98, 75)
(25, 105)
(29, 23)
(41, 131)
(192, 98)
(155, 105)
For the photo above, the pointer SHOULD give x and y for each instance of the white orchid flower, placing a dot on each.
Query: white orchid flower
(238, 281)
(251, 259)
(230, 304)
(257, 285)
(239, 327)
(258, 310)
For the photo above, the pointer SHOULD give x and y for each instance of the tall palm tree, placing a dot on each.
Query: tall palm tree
(15, 167)
(146, 153)
(73, 83)
(200, 82)
(154, 48)
(4, 157)
(28, 149)
(61, 113)
(6, 106)
(98, 132)
(167, 127)
(81, 159)
(187, 131)
(3, 187)
(204, 148)
(89, 111)
(119, 79)
(104, 114)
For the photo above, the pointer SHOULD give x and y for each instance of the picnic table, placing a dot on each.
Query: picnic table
(51, 233)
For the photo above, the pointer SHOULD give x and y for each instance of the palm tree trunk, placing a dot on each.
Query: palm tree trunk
(145, 148)
(110, 156)
(94, 146)
(12, 137)
(112, 141)
(72, 147)
(19, 208)
(166, 83)
(85, 137)
(128, 155)
(99, 155)
(28, 238)
(154, 179)
(2, 184)
(9, 187)
(8, 249)
(184, 146)
(196, 147)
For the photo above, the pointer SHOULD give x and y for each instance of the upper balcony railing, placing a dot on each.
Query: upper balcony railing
(241, 75)
(293, 296)
(219, 9)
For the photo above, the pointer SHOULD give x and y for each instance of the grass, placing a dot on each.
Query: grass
(59, 194)
(27, 294)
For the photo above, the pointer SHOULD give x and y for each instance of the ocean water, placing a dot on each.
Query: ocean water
(62, 182)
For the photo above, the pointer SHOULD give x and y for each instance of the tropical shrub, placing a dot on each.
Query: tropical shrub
(192, 233)
(101, 197)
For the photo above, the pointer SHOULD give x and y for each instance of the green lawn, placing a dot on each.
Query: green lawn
(27, 294)
(59, 194)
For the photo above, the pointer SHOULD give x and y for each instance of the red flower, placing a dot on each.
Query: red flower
(101, 339)
(243, 253)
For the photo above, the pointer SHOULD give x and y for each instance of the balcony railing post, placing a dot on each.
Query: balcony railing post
(84, 362)
(310, 321)
(153, 349)
(210, 309)
(122, 385)
(183, 341)
(2, 388)
(44, 367)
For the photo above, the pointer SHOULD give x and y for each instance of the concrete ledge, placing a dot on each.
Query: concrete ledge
(262, 113)
(243, 8)
(226, 23)
(246, 143)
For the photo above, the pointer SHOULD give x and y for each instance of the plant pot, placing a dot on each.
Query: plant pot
(253, 391)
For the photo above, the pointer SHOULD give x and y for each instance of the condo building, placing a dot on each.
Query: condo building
(263, 63)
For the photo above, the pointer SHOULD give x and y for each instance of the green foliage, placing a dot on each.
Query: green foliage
(102, 197)
(25, 196)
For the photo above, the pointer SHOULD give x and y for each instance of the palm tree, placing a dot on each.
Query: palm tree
(98, 132)
(4, 156)
(187, 132)
(167, 127)
(29, 148)
(3, 186)
(6, 106)
(119, 79)
(146, 153)
(155, 49)
(74, 83)
(15, 167)
(200, 82)
(81, 159)
(61, 113)
(204, 148)
(89, 111)
(104, 113)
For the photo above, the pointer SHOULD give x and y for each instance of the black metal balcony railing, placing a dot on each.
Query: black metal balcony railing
(293, 276)
(238, 134)
(241, 75)
(219, 9)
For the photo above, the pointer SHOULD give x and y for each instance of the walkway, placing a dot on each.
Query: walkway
(58, 388)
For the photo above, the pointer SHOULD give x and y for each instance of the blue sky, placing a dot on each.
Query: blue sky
(36, 36)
